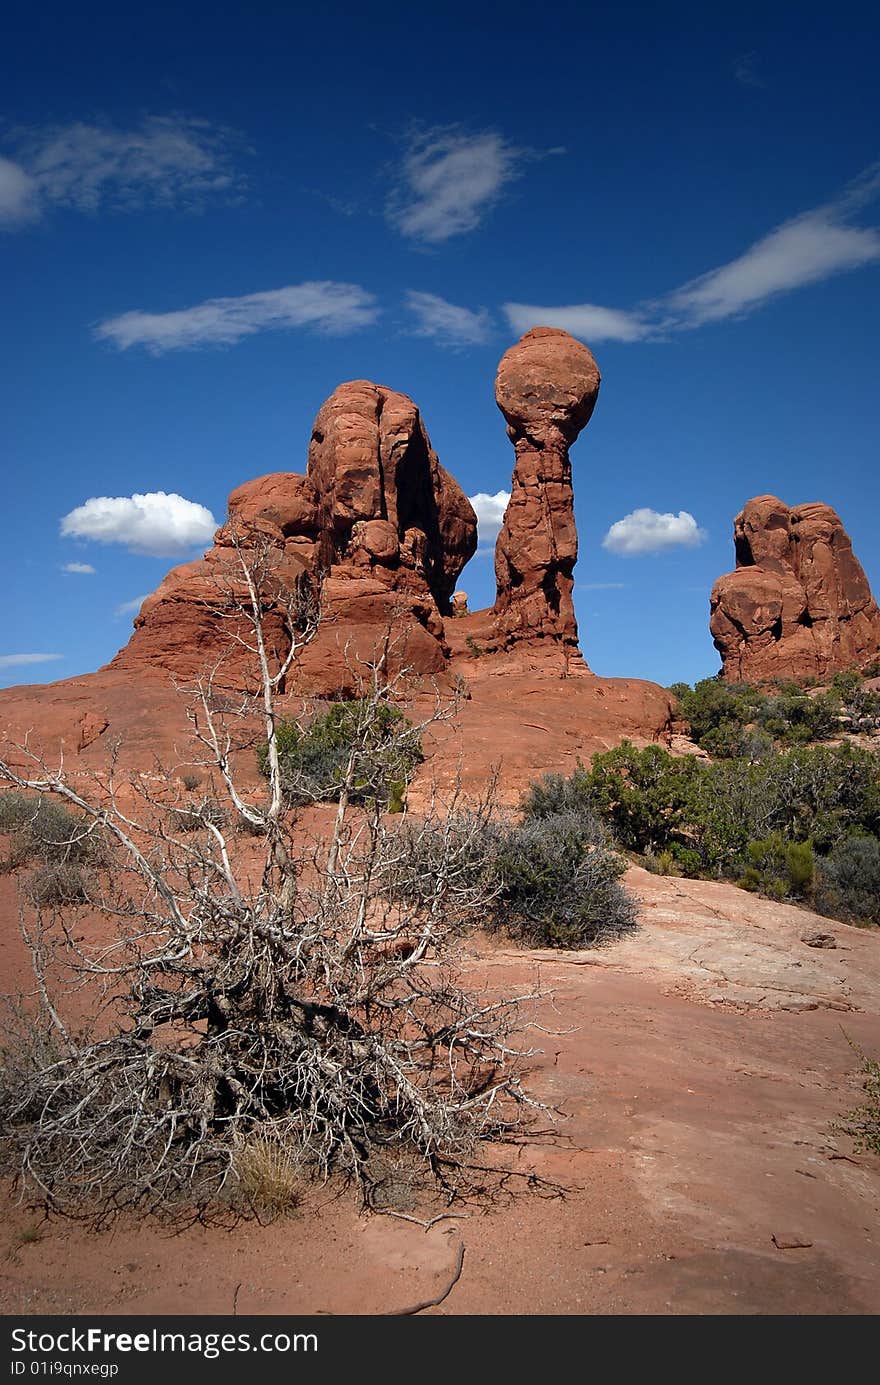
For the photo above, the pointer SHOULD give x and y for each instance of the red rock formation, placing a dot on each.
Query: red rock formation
(385, 504)
(798, 604)
(185, 626)
(376, 515)
(390, 532)
(91, 727)
(546, 387)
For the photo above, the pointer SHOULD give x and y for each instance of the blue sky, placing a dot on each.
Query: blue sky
(210, 216)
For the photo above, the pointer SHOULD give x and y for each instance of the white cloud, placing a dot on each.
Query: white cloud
(18, 195)
(326, 306)
(81, 569)
(165, 161)
(489, 510)
(449, 181)
(808, 248)
(647, 531)
(22, 660)
(448, 324)
(803, 251)
(159, 524)
(586, 320)
(126, 608)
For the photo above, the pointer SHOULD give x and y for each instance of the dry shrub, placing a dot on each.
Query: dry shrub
(268, 1176)
(303, 1016)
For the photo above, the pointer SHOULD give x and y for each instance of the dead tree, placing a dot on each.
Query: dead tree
(256, 996)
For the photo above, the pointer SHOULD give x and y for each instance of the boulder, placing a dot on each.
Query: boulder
(798, 604)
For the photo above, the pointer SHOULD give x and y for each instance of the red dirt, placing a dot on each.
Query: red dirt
(697, 1130)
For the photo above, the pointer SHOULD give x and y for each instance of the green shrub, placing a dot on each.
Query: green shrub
(769, 823)
(732, 720)
(687, 860)
(551, 881)
(642, 794)
(718, 710)
(58, 882)
(373, 744)
(824, 793)
(846, 683)
(556, 793)
(662, 864)
(849, 881)
(816, 794)
(861, 705)
(779, 868)
(558, 883)
(43, 829)
(807, 718)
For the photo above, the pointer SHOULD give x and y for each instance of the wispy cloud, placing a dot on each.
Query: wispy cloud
(323, 305)
(78, 569)
(22, 660)
(130, 608)
(489, 510)
(806, 249)
(19, 195)
(449, 181)
(170, 161)
(745, 70)
(803, 251)
(647, 531)
(343, 206)
(448, 324)
(586, 320)
(158, 524)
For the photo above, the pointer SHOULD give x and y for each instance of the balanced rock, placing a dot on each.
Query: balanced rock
(798, 604)
(375, 518)
(546, 388)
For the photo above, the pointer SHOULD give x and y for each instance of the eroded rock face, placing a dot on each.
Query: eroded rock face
(798, 604)
(376, 516)
(385, 503)
(546, 388)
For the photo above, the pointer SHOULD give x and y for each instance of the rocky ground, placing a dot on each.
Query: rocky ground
(699, 1066)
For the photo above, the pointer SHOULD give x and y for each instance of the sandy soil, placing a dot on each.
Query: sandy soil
(699, 1065)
